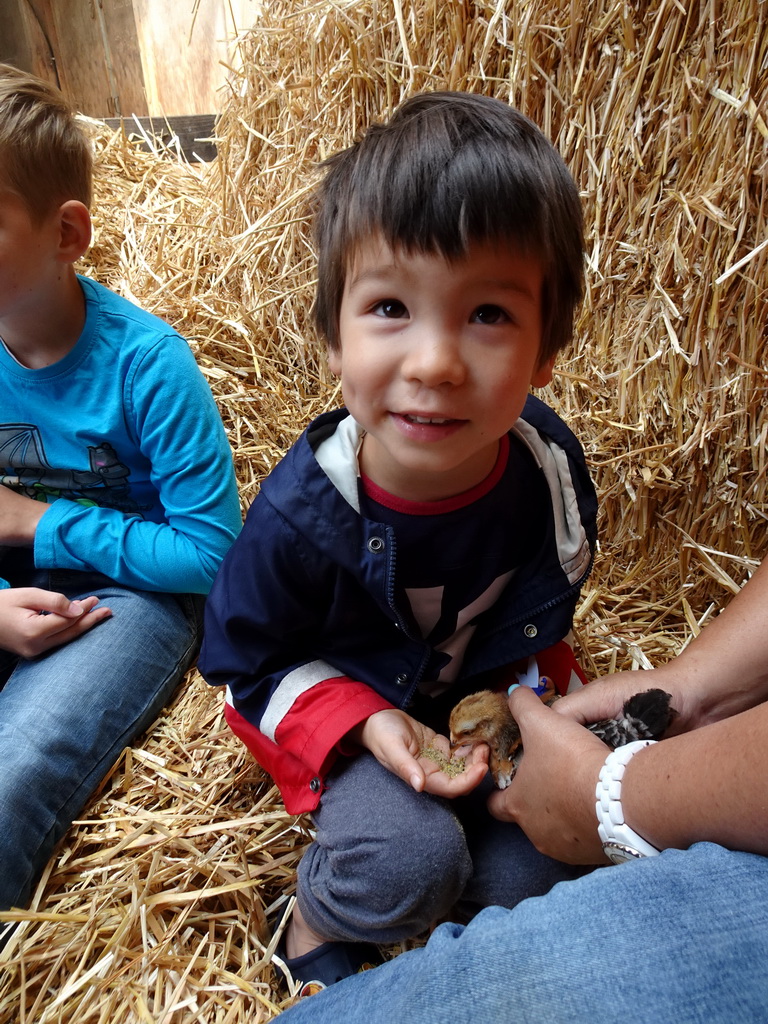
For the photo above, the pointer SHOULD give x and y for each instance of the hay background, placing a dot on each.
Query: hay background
(159, 905)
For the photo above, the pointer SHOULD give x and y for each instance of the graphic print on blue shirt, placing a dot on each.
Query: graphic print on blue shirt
(26, 469)
(455, 557)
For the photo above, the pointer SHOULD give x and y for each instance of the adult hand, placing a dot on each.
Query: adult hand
(19, 517)
(552, 796)
(396, 741)
(605, 697)
(24, 631)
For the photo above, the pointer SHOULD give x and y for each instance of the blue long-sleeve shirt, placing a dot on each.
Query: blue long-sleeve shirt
(123, 439)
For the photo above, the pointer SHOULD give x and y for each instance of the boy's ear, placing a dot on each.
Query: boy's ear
(542, 375)
(334, 361)
(74, 229)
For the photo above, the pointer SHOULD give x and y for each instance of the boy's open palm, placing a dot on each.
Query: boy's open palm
(396, 740)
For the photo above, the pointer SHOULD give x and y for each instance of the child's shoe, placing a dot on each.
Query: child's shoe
(329, 963)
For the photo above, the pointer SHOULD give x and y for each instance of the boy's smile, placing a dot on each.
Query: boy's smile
(436, 361)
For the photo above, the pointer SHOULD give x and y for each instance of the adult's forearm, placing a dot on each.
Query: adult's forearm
(710, 784)
(726, 666)
(707, 784)
(722, 672)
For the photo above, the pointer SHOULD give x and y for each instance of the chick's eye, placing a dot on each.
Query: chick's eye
(393, 309)
(489, 314)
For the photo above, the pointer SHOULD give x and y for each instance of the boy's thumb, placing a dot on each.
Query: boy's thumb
(57, 604)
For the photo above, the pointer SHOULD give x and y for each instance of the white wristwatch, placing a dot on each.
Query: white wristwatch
(620, 842)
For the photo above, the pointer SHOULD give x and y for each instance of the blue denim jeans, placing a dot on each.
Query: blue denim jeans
(66, 715)
(678, 938)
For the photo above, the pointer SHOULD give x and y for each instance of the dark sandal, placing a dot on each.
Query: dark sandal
(329, 963)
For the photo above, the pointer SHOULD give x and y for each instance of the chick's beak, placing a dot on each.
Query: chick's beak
(459, 749)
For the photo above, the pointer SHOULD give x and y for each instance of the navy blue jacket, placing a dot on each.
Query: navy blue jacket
(301, 623)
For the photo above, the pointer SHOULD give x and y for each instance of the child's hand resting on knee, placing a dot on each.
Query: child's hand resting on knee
(396, 740)
(26, 631)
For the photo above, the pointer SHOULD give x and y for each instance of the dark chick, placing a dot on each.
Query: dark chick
(485, 717)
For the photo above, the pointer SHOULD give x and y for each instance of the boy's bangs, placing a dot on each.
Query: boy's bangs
(452, 197)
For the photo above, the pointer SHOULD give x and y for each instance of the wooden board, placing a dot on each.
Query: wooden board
(98, 56)
(124, 57)
(24, 41)
(180, 54)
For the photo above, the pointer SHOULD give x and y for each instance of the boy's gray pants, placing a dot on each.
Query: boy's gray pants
(389, 862)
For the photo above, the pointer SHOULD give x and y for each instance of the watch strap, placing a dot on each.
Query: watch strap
(620, 842)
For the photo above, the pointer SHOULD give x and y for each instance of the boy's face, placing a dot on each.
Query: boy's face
(27, 249)
(436, 360)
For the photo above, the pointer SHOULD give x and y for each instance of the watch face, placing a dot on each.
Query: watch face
(618, 853)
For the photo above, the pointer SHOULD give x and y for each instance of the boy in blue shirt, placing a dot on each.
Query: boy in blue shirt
(432, 535)
(116, 486)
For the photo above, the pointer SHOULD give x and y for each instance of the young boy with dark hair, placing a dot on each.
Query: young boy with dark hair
(432, 535)
(116, 486)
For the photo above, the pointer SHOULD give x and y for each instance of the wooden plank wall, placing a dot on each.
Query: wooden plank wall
(123, 57)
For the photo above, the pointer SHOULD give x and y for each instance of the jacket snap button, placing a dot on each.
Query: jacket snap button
(402, 679)
(315, 785)
(530, 630)
(375, 545)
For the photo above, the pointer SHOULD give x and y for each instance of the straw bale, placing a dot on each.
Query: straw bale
(162, 903)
